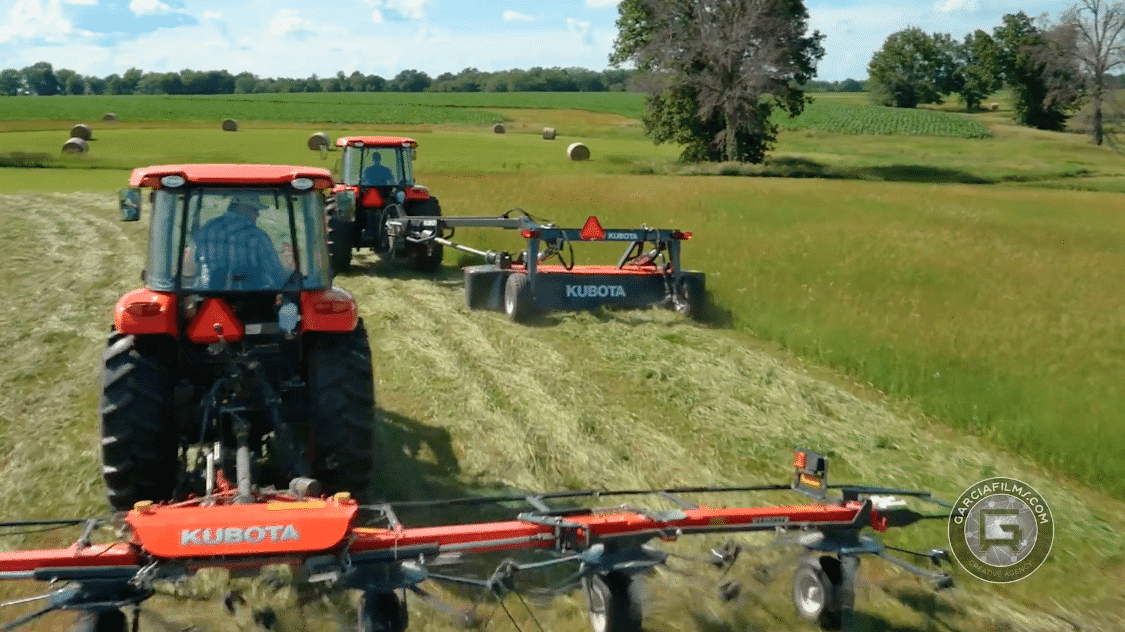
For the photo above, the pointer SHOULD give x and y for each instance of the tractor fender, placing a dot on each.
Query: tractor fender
(417, 193)
(333, 309)
(145, 311)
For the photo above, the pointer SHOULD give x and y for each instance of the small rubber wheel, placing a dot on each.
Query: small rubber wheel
(381, 612)
(613, 603)
(425, 257)
(100, 621)
(518, 302)
(819, 594)
(689, 298)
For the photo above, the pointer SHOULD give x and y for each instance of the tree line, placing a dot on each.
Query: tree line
(1051, 68)
(44, 80)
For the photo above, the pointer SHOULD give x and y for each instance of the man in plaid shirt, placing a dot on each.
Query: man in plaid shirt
(235, 254)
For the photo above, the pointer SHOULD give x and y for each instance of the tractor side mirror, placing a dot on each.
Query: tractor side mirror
(345, 205)
(130, 202)
(414, 153)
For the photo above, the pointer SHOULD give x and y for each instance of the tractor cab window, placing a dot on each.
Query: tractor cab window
(377, 166)
(238, 239)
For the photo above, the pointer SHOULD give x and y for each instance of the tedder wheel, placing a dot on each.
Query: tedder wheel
(345, 441)
(819, 593)
(689, 297)
(139, 439)
(518, 302)
(425, 257)
(100, 621)
(613, 603)
(381, 612)
(339, 239)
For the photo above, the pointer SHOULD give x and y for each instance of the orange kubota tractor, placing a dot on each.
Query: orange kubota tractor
(379, 172)
(238, 354)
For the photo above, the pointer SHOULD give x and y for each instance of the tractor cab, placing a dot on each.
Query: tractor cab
(378, 172)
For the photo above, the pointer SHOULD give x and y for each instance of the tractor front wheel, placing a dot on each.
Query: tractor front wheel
(426, 256)
(139, 437)
(689, 297)
(345, 442)
(820, 593)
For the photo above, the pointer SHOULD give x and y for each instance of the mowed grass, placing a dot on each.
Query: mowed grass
(994, 309)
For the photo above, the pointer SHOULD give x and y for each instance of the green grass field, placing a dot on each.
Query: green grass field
(965, 283)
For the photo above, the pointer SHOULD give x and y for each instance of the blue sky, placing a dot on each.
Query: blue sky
(291, 38)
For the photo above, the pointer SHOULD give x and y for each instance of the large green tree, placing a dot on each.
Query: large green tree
(720, 69)
(1040, 68)
(11, 82)
(40, 79)
(979, 69)
(913, 67)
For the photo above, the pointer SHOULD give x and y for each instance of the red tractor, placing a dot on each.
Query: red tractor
(378, 171)
(238, 358)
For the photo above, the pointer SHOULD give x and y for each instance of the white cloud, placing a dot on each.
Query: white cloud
(88, 3)
(212, 15)
(601, 4)
(958, 6)
(409, 9)
(34, 19)
(581, 29)
(149, 7)
(376, 16)
(287, 22)
(516, 16)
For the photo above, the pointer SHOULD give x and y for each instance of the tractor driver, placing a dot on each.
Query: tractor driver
(377, 173)
(233, 253)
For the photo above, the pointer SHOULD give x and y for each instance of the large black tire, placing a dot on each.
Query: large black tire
(139, 437)
(519, 305)
(345, 441)
(425, 257)
(613, 603)
(381, 612)
(340, 237)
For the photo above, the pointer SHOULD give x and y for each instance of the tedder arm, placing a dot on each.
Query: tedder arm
(322, 536)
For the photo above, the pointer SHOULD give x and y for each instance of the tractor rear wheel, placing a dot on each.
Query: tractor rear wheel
(519, 305)
(340, 235)
(139, 438)
(613, 603)
(345, 441)
(425, 257)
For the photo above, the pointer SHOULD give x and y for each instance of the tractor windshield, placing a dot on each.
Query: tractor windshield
(377, 166)
(235, 239)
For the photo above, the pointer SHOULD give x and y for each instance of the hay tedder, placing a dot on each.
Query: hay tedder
(604, 551)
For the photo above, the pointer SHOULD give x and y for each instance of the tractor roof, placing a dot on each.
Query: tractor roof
(376, 141)
(231, 174)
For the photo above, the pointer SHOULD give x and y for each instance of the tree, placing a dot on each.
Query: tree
(1038, 68)
(130, 80)
(1100, 46)
(62, 78)
(40, 79)
(245, 83)
(97, 85)
(410, 81)
(727, 63)
(11, 82)
(913, 67)
(980, 69)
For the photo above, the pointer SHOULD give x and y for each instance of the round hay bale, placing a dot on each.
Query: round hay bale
(548, 133)
(82, 131)
(578, 151)
(499, 128)
(994, 106)
(110, 116)
(230, 125)
(75, 146)
(319, 141)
